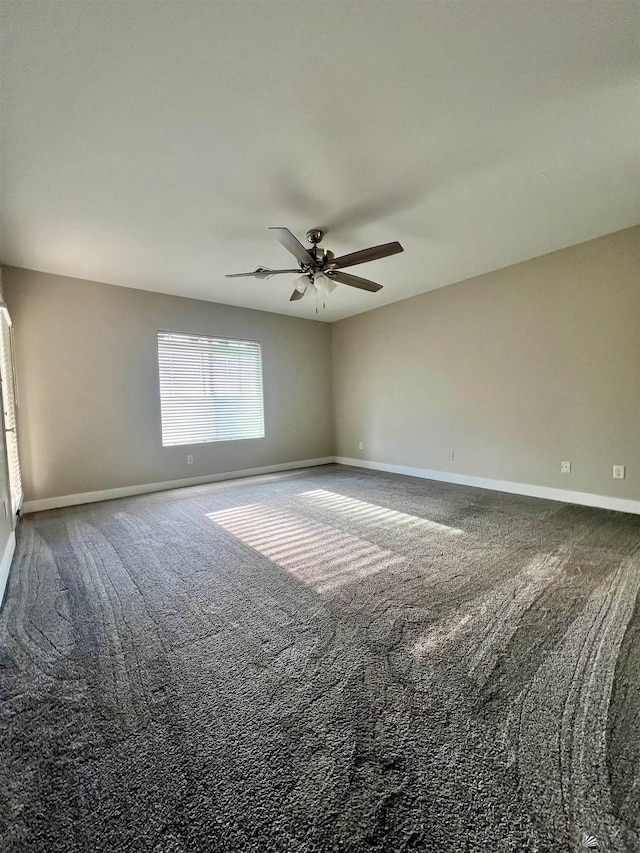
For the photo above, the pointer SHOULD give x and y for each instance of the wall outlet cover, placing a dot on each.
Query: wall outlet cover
(618, 472)
(565, 467)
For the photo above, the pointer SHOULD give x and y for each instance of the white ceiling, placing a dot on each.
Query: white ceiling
(151, 144)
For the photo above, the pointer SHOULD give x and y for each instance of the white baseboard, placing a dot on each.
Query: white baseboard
(562, 495)
(5, 563)
(146, 488)
(553, 494)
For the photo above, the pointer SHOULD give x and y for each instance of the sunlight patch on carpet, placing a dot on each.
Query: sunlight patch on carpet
(373, 513)
(438, 636)
(316, 554)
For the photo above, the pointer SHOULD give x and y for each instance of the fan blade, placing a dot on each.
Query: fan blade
(297, 294)
(365, 255)
(261, 272)
(291, 242)
(354, 280)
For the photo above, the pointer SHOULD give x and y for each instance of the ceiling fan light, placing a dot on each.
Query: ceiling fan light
(301, 283)
(323, 282)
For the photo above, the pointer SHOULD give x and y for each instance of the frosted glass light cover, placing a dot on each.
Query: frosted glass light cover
(323, 282)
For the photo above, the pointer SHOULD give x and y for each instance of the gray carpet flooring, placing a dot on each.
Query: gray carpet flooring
(328, 660)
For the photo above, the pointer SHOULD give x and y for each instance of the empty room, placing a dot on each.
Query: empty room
(320, 385)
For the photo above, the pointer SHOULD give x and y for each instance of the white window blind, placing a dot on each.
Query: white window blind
(210, 389)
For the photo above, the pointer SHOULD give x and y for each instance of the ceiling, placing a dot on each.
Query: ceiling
(152, 144)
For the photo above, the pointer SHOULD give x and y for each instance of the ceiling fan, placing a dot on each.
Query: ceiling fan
(318, 268)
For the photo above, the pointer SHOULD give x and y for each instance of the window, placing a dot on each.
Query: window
(210, 389)
(9, 399)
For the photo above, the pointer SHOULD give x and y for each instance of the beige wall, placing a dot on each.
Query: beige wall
(515, 371)
(87, 367)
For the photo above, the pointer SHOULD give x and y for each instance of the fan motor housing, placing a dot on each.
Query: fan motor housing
(322, 257)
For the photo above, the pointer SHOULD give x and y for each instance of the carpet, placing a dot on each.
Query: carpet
(319, 661)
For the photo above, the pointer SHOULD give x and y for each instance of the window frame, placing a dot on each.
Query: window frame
(212, 337)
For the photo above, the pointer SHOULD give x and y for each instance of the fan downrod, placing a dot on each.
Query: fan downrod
(315, 235)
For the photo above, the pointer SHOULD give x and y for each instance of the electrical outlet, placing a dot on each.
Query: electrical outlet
(565, 467)
(451, 455)
(361, 445)
(189, 459)
(618, 472)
